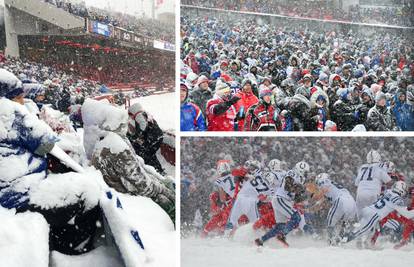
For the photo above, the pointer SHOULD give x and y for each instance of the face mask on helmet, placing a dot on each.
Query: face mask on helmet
(252, 166)
(223, 168)
(373, 157)
(275, 165)
(400, 188)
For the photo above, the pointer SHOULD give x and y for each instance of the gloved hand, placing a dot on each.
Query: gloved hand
(216, 74)
(356, 115)
(44, 148)
(234, 100)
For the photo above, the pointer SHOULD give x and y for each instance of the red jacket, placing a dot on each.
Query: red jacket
(191, 61)
(222, 122)
(260, 117)
(246, 100)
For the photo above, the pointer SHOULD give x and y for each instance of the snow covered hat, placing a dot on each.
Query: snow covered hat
(32, 90)
(380, 96)
(138, 117)
(103, 114)
(10, 85)
(264, 91)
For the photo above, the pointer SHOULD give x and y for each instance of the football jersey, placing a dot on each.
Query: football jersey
(279, 178)
(333, 190)
(227, 183)
(387, 204)
(255, 186)
(371, 177)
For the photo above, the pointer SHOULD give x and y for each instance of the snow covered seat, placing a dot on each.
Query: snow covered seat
(24, 239)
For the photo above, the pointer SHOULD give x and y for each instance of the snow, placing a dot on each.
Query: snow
(198, 252)
(8, 112)
(161, 107)
(112, 141)
(60, 190)
(23, 239)
(103, 114)
(155, 228)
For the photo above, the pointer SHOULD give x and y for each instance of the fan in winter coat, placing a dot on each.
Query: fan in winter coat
(145, 135)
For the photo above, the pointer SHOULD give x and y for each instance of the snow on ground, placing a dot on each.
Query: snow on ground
(161, 107)
(303, 252)
(23, 239)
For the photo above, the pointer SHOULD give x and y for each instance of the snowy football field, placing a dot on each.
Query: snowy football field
(162, 107)
(303, 252)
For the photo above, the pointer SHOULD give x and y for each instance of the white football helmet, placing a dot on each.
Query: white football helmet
(373, 156)
(322, 179)
(223, 168)
(275, 165)
(389, 166)
(252, 166)
(302, 168)
(400, 187)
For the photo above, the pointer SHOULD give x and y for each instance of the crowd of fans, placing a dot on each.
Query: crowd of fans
(239, 74)
(106, 63)
(339, 157)
(400, 15)
(60, 88)
(144, 26)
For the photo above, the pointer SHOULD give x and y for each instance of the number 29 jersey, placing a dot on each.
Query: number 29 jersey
(371, 177)
(227, 183)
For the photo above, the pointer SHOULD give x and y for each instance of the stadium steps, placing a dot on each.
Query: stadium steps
(48, 12)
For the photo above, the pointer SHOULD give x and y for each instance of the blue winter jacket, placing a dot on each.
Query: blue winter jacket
(191, 118)
(404, 114)
(21, 135)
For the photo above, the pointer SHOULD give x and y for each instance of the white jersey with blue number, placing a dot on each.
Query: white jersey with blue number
(371, 177)
(227, 184)
(333, 191)
(387, 203)
(255, 186)
(279, 178)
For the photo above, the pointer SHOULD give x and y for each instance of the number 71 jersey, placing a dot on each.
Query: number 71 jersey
(227, 183)
(371, 177)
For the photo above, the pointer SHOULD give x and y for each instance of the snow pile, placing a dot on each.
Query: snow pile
(24, 239)
(20, 165)
(302, 252)
(114, 142)
(99, 118)
(161, 107)
(10, 79)
(60, 190)
(154, 231)
(103, 114)
(72, 144)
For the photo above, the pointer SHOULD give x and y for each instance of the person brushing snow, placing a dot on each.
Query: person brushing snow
(69, 201)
